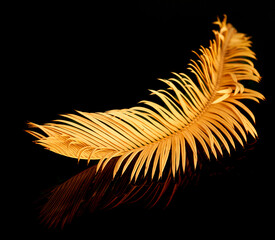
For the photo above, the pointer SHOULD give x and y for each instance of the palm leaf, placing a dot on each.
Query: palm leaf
(205, 113)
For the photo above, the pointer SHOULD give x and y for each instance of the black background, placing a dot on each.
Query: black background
(97, 57)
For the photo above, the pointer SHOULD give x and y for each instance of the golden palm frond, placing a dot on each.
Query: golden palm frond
(140, 142)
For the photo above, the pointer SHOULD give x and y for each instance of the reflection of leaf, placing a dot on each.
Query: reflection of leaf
(147, 148)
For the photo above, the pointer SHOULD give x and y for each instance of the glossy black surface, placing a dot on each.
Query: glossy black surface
(105, 56)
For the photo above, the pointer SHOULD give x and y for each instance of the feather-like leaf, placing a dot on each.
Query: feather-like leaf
(205, 113)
